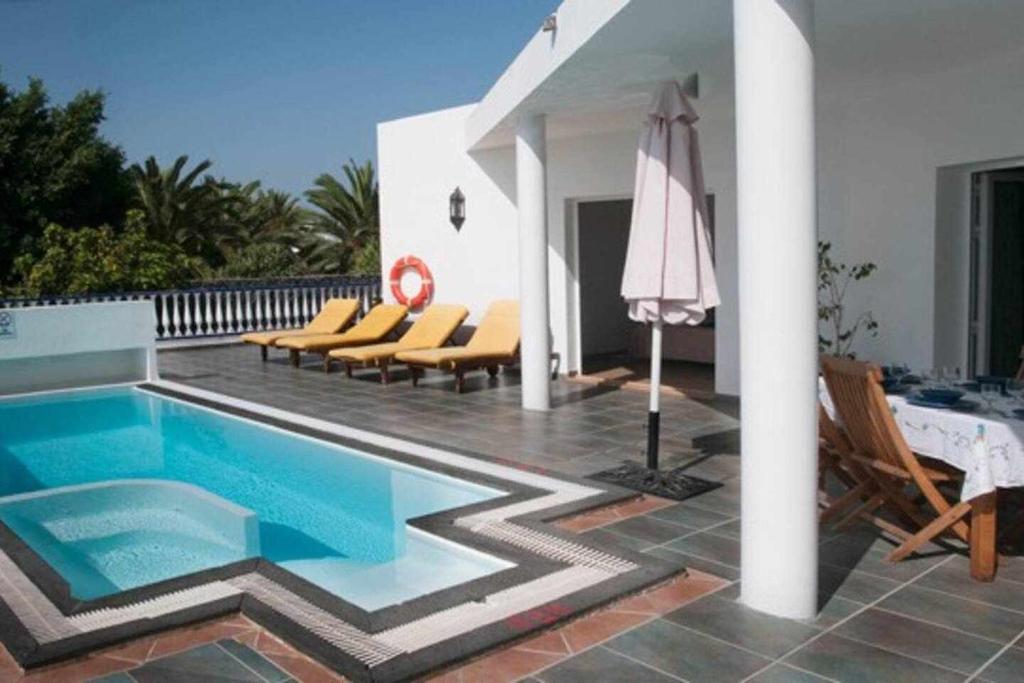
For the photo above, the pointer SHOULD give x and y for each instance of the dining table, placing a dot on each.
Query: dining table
(982, 438)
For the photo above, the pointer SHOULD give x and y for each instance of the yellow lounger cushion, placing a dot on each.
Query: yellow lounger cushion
(334, 316)
(496, 338)
(375, 325)
(431, 330)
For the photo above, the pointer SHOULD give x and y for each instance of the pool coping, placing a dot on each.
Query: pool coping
(257, 574)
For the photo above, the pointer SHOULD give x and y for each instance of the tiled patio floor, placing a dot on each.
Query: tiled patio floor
(919, 620)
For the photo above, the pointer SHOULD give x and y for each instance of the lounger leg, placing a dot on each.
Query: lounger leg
(327, 363)
(492, 370)
(293, 356)
(415, 375)
(348, 370)
(460, 381)
(385, 376)
(263, 353)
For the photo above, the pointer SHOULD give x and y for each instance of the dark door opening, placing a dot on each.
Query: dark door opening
(1006, 293)
(615, 349)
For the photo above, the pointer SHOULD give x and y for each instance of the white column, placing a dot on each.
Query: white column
(774, 58)
(531, 200)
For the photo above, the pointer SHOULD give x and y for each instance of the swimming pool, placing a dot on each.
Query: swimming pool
(331, 515)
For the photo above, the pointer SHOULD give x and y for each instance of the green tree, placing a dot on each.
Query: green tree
(263, 259)
(179, 209)
(55, 167)
(97, 260)
(347, 220)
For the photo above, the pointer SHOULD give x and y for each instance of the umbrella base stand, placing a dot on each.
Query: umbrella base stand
(673, 484)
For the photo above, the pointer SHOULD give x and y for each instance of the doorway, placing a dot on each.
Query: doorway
(614, 350)
(997, 272)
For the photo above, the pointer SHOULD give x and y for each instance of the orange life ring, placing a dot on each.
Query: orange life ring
(426, 282)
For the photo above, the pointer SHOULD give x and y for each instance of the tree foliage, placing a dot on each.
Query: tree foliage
(55, 167)
(58, 177)
(96, 260)
(347, 220)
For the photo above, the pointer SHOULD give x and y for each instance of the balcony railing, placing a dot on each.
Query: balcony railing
(231, 307)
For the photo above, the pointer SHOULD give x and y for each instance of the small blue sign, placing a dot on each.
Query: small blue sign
(7, 329)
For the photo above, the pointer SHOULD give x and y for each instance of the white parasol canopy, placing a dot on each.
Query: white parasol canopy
(669, 276)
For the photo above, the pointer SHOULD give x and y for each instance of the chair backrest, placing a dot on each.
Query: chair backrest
(335, 314)
(1020, 368)
(434, 326)
(498, 331)
(830, 433)
(868, 424)
(381, 319)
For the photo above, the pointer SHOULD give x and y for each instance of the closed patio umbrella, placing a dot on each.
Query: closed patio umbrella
(669, 276)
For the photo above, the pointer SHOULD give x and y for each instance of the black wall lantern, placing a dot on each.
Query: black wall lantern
(457, 208)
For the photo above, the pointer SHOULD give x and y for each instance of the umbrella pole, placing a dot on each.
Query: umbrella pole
(654, 414)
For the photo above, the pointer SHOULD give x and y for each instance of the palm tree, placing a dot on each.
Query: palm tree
(347, 220)
(177, 209)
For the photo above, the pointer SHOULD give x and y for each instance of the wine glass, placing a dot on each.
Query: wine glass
(1015, 388)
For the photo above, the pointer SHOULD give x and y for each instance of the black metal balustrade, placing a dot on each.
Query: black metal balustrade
(231, 307)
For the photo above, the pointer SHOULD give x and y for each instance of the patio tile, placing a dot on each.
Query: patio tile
(709, 546)
(1006, 669)
(954, 577)
(603, 535)
(654, 531)
(599, 626)
(935, 644)
(207, 662)
(304, 669)
(506, 666)
(176, 641)
(603, 665)
(732, 622)
(119, 677)
(852, 584)
(947, 610)
(690, 516)
(848, 660)
(781, 673)
(718, 569)
(687, 654)
(250, 658)
(78, 670)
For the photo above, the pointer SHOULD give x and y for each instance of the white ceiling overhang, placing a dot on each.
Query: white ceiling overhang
(598, 69)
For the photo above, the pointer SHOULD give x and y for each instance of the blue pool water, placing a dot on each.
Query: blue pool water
(328, 514)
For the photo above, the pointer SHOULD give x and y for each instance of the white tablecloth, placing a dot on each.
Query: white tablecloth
(949, 436)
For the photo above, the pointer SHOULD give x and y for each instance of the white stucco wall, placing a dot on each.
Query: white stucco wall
(882, 139)
(422, 159)
(56, 347)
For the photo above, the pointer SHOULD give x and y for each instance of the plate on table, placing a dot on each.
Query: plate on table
(973, 387)
(960, 406)
(910, 379)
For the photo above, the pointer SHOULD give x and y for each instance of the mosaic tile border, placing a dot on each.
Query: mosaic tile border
(556, 575)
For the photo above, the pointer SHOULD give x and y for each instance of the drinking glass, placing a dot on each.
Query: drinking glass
(990, 393)
(1015, 388)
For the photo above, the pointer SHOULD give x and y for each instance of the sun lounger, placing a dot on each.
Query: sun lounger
(333, 317)
(495, 342)
(374, 327)
(430, 331)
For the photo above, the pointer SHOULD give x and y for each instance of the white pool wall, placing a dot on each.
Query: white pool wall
(66, 346)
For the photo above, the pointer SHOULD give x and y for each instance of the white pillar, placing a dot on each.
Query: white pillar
(531, 200)
(774, 58)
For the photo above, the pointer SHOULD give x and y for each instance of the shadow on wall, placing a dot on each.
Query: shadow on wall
(500, 166)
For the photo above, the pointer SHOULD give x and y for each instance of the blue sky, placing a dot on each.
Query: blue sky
(275, 90)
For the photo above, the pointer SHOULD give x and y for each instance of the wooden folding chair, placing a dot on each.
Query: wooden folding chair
(880, 452)
(1020, 368)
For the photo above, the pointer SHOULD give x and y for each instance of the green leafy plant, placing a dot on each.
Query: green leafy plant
(834, 279)
(97, 260)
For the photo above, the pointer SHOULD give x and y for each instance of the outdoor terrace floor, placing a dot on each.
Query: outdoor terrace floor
(922, 619)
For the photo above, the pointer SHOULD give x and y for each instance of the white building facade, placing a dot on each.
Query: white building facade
(867, 124)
